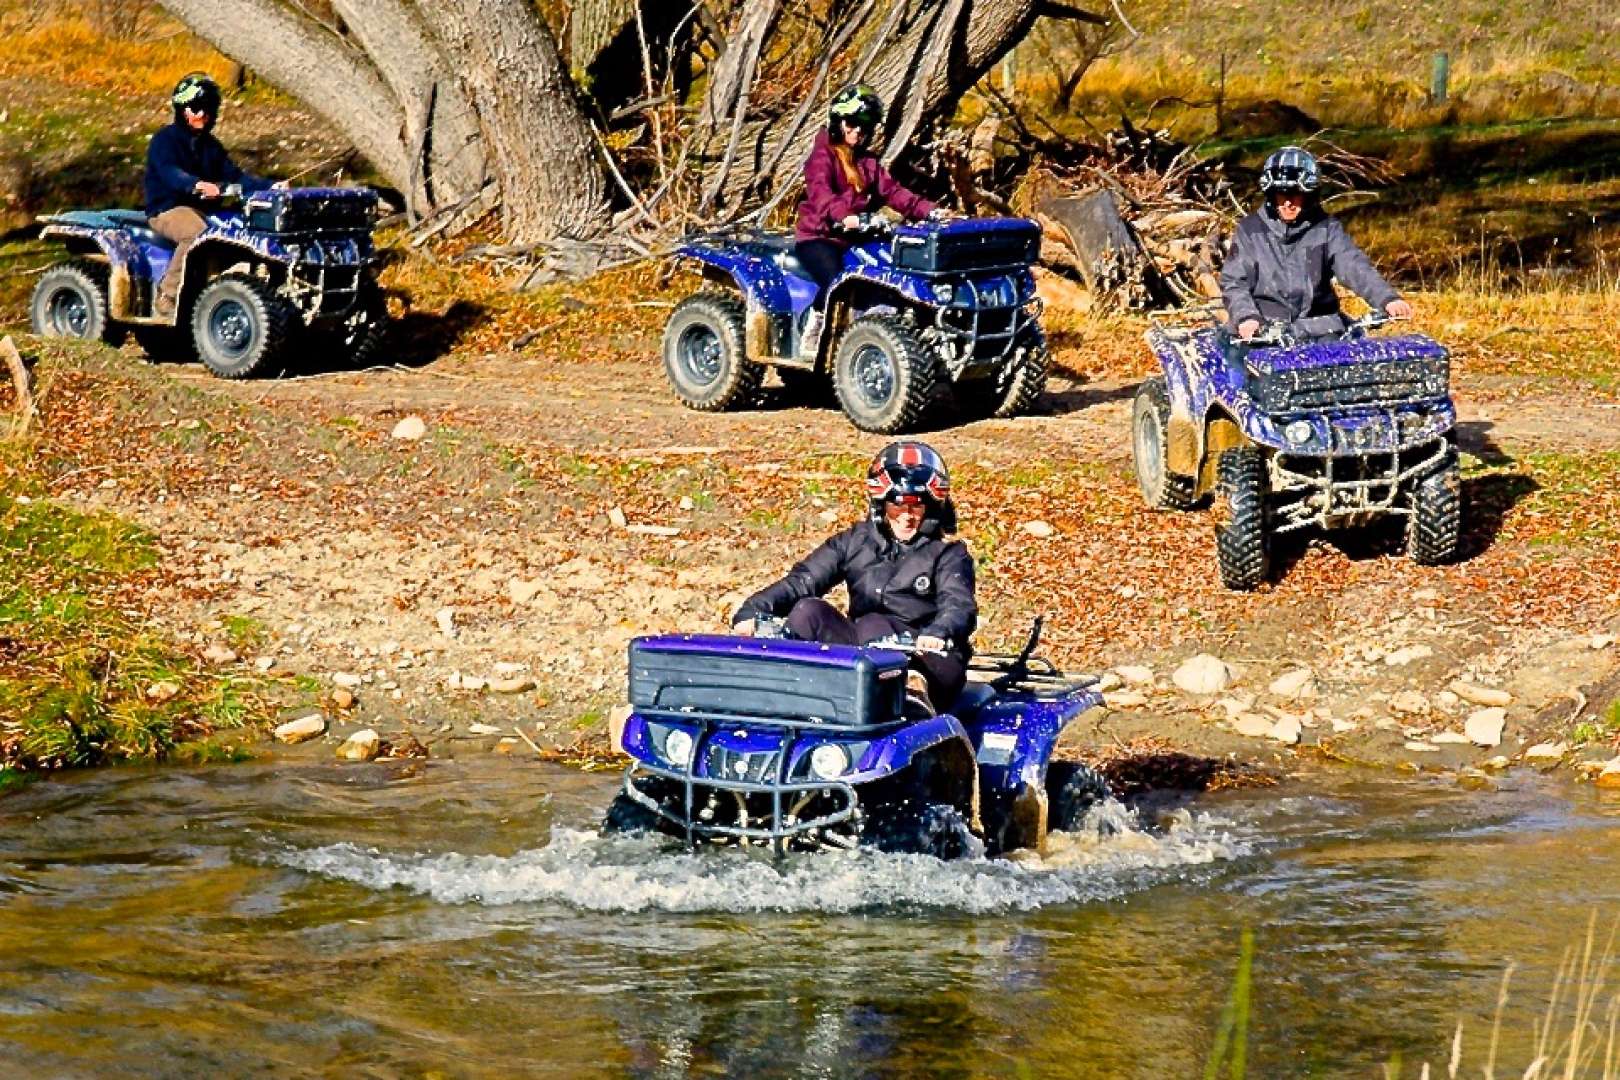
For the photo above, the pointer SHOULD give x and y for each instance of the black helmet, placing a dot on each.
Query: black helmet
(911, 472)
(859, 104)
(196, 92)
(1290, 169)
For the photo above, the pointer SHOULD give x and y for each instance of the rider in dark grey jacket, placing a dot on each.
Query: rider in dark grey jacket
(1285, 257)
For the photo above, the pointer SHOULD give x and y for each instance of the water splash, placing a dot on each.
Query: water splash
(1111, 857)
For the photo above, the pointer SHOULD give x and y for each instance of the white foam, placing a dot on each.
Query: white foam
(589, 872)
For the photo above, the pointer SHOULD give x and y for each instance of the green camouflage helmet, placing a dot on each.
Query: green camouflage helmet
(859, 104)
(196, 92)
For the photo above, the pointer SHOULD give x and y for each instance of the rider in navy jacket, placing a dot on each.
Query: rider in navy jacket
(178, 157)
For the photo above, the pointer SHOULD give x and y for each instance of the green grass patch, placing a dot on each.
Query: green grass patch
(83, 679)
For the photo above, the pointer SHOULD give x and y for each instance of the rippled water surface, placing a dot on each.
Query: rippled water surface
(462, 919)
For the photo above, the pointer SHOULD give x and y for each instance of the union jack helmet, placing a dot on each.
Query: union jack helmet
(908, 473)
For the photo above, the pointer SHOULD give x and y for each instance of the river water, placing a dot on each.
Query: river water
(460, 918)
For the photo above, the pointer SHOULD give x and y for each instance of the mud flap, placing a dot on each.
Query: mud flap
(1028, 824)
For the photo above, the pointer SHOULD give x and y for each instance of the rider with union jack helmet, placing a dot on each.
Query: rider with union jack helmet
(903, 572)
(1285, 256)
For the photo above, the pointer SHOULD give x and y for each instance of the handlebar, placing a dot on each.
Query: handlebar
(775, 628)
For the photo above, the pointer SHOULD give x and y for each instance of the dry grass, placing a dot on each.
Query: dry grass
(76, 52)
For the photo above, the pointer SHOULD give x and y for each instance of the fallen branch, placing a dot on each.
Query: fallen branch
(23, 381)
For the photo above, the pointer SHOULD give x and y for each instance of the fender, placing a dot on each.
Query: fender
(104, 242)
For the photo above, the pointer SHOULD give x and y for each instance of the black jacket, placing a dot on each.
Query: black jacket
(1285, 272)
(926, 584)
(177, 158)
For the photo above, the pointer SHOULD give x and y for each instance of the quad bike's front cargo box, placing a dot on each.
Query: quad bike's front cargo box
(798, 681)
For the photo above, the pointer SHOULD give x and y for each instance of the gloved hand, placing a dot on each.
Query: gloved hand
(744, 628)
(939, 213)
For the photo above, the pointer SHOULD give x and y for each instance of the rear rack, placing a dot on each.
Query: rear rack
(1024, 672)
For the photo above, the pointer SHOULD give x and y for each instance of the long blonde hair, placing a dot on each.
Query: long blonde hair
(845, 154)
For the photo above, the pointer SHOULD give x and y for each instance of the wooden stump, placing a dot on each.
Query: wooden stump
(22, 381)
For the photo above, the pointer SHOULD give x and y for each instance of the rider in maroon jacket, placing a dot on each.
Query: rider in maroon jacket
(843, 179)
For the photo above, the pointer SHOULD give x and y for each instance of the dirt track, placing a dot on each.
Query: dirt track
(299, 528)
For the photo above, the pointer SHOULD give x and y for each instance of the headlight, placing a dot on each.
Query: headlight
(943, 293)
(678, 747)
(828, 761)
(1299, 432)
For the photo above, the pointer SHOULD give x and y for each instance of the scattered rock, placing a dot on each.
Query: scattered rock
(1445, 699)
(1601, 641)
(521, 591)
(1388, 723)
(1497, 763)
(1109, 680)
(363, 745)
(410, 429)
(1402, 657)
(1039, 529)
(1287, 730)
(160, 692)
(1450, 737)
(506, 669)
(617, 519)
(1236, 705)
(1410, 702)
(297, 731)
(1203, 674)
(1481, 695)
(265, 663)
(1124, 699)
(219, 654)
(687, 503)
(343, 698)
(1253, 725)
(1342, 727)
(1135, 674)
(653, 530)
(446, 618)
(1484, 726)
(1547, 751)
(483, 729)
(1609, 777)
(346, 679)
(1299, 683)
(1421, 747)
(472, 682)
(514, 685)
(1474, 780)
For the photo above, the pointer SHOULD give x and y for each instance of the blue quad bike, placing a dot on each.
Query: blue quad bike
(277, 266)
(917, 307)
(799, 746)
(1317, 425)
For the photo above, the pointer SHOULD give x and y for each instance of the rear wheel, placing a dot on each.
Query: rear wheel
(1434, 531)
(1242, 545)
(1150, 443)
(1072, 790)
(704, 354)
(883, 374)
(70, 301)
(241, 327)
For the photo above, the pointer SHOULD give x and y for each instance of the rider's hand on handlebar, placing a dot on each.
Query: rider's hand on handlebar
(207, 190)
(744, 628)
(1398, 309)
(853, 221)
(1248, 328)
(280, 185)
(930, 643)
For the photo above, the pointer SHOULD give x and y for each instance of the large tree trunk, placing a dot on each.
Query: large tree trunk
(552, 180)
(310, 62)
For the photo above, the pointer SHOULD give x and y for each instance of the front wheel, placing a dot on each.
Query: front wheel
(922, 828)
(627, 816)
(70, 301)
(883, 374)
(704, 354)
(1150, 445)
(1022, 379)
(1073, 789)
(364, 332)
(1242, 544)
(241, 327)
(1434, 531)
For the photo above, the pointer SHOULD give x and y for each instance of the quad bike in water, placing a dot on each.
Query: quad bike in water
(802, 746)
(281, 265)
(917, 307)
(1321, 424)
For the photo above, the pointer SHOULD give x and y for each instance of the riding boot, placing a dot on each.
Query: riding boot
(810, 337)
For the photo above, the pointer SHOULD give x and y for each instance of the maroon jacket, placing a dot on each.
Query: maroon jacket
(828, 198)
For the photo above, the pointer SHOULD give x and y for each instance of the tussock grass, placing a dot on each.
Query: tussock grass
(84, 678)
(75, 51)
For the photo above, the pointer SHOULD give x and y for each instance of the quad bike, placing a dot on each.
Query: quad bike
(1319, 424)
(801, 746)
(282, 263)
(916, 308)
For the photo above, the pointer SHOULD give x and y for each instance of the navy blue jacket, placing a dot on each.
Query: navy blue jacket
(177, 158)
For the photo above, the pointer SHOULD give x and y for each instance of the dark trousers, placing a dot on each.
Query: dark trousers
(823, 260)
(813, 619)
